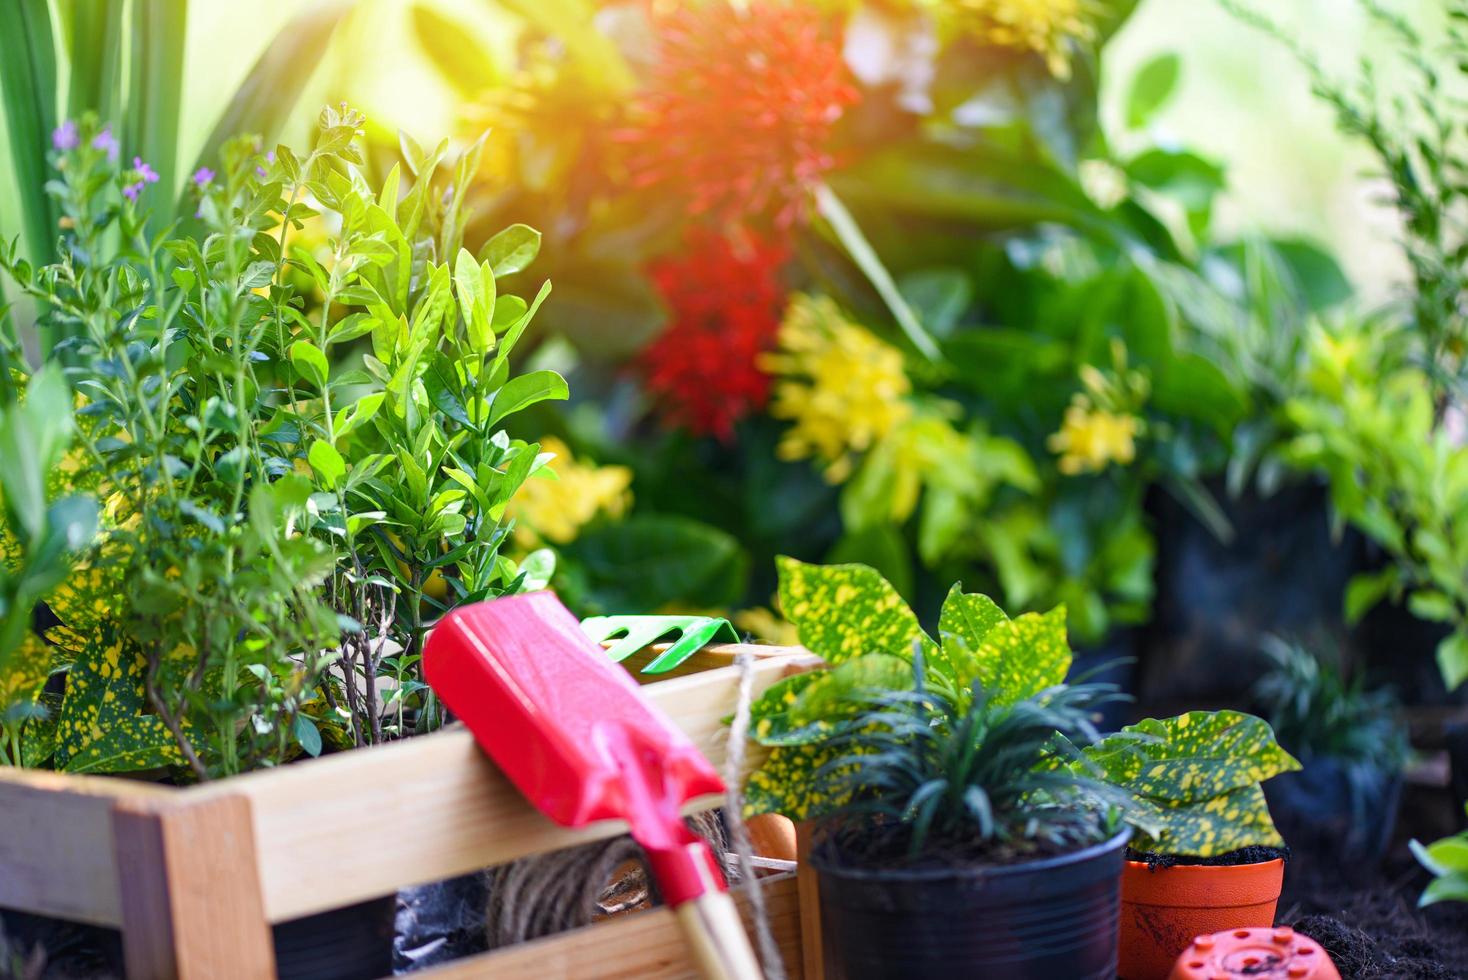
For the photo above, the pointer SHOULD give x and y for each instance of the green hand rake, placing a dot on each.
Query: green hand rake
(634, 633)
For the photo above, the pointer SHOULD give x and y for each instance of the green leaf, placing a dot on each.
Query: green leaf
(797, 713)
(268, 96)
(1432, 605)
(786, 782)
(452, 48)
(104, 724)
(1152, 86)
(310, 363)
(962, 627)
(475, 286)
(511, 250)
(1024, 656)
(155, 92)
(1192, 757)
(636, 633)
(307, 734)
(1452, 659)
(849, 234)
(28, 86)
(1452, 888)
(843, 611)
(538, 568)
(525, 390)
(1207, 828)
(23, 674)
(1369, 588)
(357, 414)
(97, 30)
(645, 562)
(327, 462)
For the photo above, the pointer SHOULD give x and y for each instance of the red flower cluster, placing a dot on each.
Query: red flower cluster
(725, 298)
(738, 108)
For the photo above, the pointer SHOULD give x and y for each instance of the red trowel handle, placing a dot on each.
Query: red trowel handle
(694, 886)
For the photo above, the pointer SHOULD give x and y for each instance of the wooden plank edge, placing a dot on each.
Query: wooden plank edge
(647, 945)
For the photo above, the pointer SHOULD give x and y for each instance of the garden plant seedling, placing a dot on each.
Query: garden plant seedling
(572, 731)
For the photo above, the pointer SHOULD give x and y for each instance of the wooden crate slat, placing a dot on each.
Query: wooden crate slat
(190, 900)
(637, 946)
(357, 825)
(56, 854)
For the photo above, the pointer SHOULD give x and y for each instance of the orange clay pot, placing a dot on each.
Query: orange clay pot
(1257, 954)
(1163, 910)
(772, 836)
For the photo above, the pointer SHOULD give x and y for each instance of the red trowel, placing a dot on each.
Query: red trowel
(572, 731)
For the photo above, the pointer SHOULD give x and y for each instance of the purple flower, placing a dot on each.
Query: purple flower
(107, 142)
(203, 177)
(64, 137)
(131, 191)
(146, 174)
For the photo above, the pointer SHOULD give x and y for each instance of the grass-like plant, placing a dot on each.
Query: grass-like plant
(968, 778)
(1317, 710)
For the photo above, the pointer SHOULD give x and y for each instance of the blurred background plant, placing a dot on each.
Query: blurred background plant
(128, 62)
(961, 296)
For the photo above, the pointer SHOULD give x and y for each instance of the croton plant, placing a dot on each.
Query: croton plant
(1191, 783)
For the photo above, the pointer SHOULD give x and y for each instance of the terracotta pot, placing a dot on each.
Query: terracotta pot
(1162, 911)
(772, 836)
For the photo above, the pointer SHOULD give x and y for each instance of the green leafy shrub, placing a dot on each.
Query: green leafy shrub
(1190, 784)
(1447, 859)
(1366, 419)
(276, 522)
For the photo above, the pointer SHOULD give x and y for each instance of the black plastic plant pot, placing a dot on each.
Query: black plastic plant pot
(1056, 917)
(342, 944)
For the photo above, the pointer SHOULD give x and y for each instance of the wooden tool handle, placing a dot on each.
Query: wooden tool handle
(716, 937)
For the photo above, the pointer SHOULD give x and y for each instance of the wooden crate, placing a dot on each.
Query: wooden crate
(195, 877)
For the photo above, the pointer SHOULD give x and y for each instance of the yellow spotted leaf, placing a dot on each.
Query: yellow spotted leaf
(1207, 828)
(844, 611)
(104, 725)
(786, 783)
(1191, 757)
(1020, 658)
(23, 677)
(806, 707)
(964, 623)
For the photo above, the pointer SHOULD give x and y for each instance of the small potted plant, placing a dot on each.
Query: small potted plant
(1207, 856)
(961, 849)
(1342, 805)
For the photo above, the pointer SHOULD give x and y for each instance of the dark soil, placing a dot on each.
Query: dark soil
(1244, 855)
(886, 847)
(1374, 931)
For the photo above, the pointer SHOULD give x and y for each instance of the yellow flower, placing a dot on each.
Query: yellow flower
(1091, 438)
(553, 507)
(842, 387)
(1045, 27)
